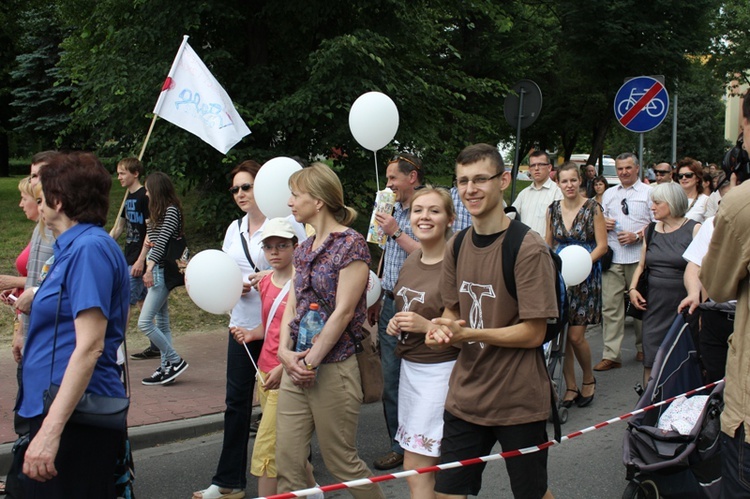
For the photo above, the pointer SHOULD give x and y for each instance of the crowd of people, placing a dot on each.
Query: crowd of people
(450, 328)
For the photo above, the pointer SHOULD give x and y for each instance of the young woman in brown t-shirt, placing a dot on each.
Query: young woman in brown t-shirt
(424, 372)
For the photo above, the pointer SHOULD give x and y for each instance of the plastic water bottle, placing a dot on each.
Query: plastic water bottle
(310, 326)
(618, 227)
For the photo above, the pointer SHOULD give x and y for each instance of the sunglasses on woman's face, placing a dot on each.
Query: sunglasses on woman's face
(685, 175)
(236, 188)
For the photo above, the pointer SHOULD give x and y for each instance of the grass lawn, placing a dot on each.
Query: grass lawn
(16, 230)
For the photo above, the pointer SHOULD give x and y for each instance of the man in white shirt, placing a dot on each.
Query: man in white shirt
(532, 202)
(627, 212)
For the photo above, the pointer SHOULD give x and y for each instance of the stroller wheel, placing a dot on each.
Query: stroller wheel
(563, 412)
(641, 490)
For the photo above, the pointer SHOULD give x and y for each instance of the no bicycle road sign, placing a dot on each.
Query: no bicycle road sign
(641, 104)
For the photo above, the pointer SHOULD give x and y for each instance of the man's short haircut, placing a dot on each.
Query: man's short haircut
(408, 163)
(538, 153)
(477, 152)
(629, 155)
(672, 194)
(42, 157)
(133, 165)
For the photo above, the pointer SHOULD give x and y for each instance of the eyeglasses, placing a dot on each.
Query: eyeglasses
(236, 188)
(624, 206)
(538, 165)
(398, 158)
(661, 173)
(277, 247)
(685, 175)
(479, 180)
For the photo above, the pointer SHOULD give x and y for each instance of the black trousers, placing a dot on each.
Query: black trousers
(712, 340)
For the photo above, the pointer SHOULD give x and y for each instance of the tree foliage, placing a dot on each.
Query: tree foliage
(294, 68)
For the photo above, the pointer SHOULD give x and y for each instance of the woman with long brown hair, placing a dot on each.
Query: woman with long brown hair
(165, 223)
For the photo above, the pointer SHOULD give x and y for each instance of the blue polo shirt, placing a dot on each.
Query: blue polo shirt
(89, 271)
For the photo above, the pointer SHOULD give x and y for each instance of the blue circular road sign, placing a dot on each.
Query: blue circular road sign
(641, 104)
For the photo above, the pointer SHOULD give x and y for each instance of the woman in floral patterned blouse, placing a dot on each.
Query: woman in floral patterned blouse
(321, 388)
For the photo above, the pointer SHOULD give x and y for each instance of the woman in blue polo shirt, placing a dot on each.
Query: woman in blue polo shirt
(77, 322)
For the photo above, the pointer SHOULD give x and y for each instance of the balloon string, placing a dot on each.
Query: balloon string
(377, 179)
(257, 371)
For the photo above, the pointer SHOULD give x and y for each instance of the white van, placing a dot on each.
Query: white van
(609, 172)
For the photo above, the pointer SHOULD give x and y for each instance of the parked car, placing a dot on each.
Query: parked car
(608, 171)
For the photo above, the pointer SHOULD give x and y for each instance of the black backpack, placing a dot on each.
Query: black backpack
(511, 247)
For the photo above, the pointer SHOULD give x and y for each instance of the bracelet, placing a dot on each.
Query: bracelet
(631, 289)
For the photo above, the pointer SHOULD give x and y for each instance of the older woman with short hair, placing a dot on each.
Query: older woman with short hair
(662, 253)
(78, 321)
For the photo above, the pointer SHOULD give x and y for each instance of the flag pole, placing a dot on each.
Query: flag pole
(157, 107)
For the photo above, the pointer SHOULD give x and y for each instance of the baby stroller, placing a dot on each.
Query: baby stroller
(554, 358)
(665, 462)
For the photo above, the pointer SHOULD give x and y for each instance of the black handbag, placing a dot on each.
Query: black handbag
(176, 252)
(642, 288)
(96, 410)
(642, 284)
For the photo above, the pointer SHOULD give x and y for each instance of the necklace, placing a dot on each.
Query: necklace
(673, 228)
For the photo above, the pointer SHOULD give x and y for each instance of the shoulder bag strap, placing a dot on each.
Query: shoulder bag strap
(244, 246)
(279, 298)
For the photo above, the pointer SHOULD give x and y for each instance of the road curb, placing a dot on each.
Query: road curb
(147, 436)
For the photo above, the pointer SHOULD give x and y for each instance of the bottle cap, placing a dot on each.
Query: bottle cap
(314, 306)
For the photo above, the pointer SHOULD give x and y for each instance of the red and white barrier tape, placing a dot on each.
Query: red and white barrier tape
(485, 459)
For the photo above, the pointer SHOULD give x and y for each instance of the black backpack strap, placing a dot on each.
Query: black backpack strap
(511, 247)
(457, 241)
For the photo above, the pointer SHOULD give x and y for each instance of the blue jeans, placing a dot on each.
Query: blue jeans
(154, 319)
(735, 465)
(391, 372)
(231, 472)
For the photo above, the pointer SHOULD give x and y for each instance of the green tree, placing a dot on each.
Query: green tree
(39, 98)
(293, 69)
(601, 44)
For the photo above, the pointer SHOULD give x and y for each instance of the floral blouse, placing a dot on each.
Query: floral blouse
(319, 269)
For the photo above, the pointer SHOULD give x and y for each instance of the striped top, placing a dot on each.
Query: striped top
(160, 233)
(639, 216)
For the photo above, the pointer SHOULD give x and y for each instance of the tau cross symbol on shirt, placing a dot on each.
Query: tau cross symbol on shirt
(477, 292)
(409, 296)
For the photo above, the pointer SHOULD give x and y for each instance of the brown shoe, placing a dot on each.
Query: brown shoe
(639, 357)
(606, 365)
(389, 461)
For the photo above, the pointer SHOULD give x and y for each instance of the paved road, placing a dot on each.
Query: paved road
(588, 466)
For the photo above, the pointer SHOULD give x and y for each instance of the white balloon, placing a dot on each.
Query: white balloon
(271, 186)
(213, 281)
(373, 120)
(576, 264)
(373, 289)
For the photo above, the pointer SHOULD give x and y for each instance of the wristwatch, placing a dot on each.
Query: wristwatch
(397, 234)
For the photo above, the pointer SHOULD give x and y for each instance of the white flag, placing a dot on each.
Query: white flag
(192, 99)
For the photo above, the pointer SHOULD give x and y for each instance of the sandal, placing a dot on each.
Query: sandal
(216, 492)
(569, 403)
(584, 401)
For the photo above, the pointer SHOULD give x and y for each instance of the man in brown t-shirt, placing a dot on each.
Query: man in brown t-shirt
(499, 389)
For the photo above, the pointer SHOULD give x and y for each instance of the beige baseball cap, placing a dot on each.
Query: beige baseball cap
(278, 227)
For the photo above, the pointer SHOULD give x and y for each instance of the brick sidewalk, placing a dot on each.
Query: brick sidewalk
(197, 392)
